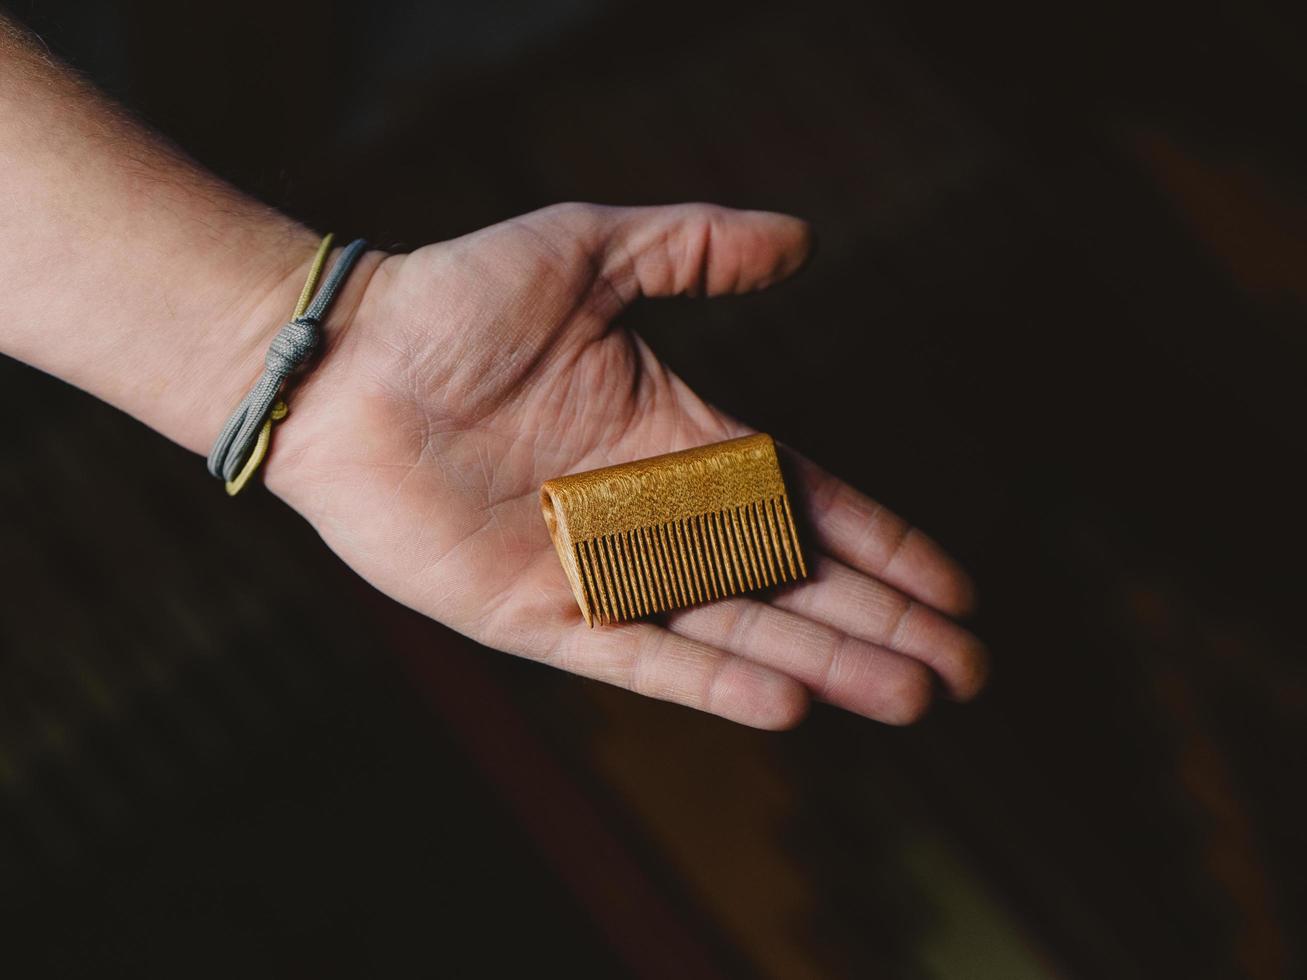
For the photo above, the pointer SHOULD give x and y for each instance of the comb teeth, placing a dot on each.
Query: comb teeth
(689, 560)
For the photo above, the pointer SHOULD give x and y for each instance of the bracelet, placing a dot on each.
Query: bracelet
(243, 442)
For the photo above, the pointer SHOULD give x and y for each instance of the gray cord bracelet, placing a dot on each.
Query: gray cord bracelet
(293, 345)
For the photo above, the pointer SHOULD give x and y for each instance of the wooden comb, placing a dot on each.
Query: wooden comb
(674, 530)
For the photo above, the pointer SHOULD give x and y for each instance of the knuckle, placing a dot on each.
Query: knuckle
(567, 210)
(728, 617)
(896, 533)
(833, 671)
(643, 666)
(898, 622)
(716, 688)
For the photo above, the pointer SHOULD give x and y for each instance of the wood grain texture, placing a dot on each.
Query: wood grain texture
(674, 530)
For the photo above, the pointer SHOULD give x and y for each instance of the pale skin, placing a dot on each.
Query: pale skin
(454, 381)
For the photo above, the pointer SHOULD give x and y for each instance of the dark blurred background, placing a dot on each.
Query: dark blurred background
(1058, 306)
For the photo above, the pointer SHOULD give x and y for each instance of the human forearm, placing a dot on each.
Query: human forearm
(130, 271)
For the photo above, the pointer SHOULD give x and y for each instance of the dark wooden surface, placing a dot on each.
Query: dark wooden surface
(1068, 249)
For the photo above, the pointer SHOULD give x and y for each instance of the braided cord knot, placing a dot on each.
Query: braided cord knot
(292, 347)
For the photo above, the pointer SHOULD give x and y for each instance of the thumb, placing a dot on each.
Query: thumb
(693, 249)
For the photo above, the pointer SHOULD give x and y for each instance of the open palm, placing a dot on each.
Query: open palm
(475, 369)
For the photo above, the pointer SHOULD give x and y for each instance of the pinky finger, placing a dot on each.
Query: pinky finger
(650, 660)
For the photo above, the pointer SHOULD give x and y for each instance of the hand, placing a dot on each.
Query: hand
(475, 369)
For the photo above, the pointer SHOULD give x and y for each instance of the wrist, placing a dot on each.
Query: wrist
(225, 353)
(316, 395)
(236, 354)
